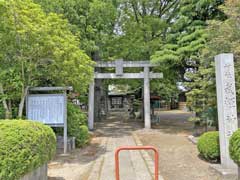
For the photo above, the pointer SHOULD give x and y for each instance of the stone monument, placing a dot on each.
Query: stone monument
(226, 103)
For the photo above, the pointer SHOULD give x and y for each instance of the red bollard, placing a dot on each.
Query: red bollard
(156, 157)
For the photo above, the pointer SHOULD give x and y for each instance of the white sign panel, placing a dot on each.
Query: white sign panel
(46, 108)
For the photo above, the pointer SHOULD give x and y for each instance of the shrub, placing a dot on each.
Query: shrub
(75, 115)
(24, 146)
(77, 121)
(208, 145)
(83, 136)
(234, 147)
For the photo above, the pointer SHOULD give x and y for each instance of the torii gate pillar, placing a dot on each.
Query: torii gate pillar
(147, 118)
(91, 106)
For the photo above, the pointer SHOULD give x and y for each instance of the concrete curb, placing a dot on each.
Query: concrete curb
(37, 174)
(148, 160)
(192, 139)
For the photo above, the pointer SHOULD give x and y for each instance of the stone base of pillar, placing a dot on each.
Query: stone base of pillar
(226, 174)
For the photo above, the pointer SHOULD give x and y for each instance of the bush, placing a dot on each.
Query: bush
(234, 147)
(75, 115)
(77, 128)
(208, 145)
(24, 146)
(83, 136)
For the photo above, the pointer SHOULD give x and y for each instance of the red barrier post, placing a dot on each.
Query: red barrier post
(156, 157)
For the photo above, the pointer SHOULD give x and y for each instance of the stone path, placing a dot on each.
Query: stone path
(132, 164)
(96, 161)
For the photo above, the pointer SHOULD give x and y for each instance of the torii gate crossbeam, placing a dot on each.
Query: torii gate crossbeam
(119, 74)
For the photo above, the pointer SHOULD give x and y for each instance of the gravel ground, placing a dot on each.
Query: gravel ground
(178, 156)
(77, 165)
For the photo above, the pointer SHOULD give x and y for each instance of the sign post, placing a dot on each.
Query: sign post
(50, 109)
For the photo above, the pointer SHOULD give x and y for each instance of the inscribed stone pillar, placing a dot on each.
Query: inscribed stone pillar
(226, 100)
(91, 106)
(147, 118)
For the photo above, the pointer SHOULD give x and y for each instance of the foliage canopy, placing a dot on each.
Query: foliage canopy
(221, 37)
(37, 49)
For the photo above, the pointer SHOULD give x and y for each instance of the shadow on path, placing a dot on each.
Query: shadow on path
(174, 122)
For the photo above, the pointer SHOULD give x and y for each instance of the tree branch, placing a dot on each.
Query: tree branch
(135, 12)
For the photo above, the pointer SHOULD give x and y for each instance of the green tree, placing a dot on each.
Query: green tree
(141, 27)
(93, 21)
(37, 49)
(140, 30)
(179, 56)
(222, 37)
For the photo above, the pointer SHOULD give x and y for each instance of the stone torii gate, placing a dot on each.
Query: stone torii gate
(119, 74)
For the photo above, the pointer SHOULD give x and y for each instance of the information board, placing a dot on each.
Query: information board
(47, 108)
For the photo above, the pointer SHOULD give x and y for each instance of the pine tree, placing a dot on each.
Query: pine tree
(184, 42)
(222, 37)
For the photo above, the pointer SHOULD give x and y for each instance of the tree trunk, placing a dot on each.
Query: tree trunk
(8, 113)
(21, 104)
(8, 109)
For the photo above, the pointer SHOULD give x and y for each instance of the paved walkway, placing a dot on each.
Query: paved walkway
(117, 133)
(96, 161)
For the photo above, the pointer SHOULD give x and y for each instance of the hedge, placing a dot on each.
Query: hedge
(24, 146)
(208, 146)
(234, 147)
(77, 128)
